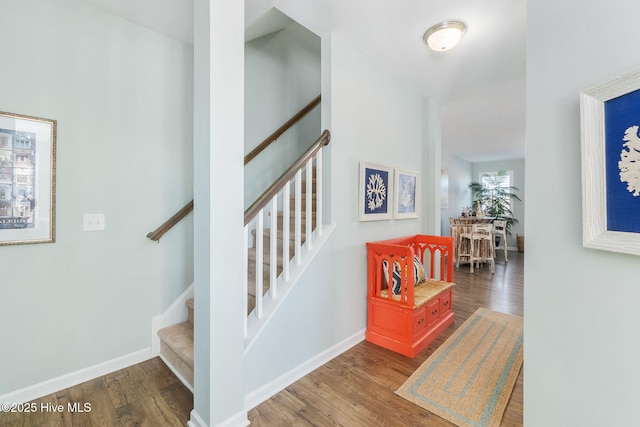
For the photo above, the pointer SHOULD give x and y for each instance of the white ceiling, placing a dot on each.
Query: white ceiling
(480, 83)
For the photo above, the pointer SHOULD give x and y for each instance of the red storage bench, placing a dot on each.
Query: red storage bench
(410, 285)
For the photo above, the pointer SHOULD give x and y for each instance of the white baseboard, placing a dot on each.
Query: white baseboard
(195, 420)
(175, 313)
(264, 393)
(53, 385)
(238, 420)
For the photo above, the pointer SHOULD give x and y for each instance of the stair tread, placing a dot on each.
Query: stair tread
(280, 233)
(190, 303)
(266, 260)
(179, 338)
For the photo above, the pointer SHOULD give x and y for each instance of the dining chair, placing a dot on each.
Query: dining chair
(464, 243)
(500, 229)
(482, 245)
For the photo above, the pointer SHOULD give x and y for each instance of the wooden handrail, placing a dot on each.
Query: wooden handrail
(168, 224)
(262, 201)
(282, 129)
(323, 140)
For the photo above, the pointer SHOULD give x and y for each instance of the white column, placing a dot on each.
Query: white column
(431, 165)
(218, 214)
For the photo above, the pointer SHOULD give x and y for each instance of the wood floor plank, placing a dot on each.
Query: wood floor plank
(357, 388)
(354, 389)
(143, 395)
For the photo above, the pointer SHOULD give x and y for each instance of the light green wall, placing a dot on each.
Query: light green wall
(121, 96)
(581, 305)
(329, 303)
(282, 75)
(459, 174)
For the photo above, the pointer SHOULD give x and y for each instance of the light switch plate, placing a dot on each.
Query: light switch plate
(93, 222)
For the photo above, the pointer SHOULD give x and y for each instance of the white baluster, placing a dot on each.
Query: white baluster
(259, 263)
(286, 236)
(246, 273)
(319, 193)
(298, 217)
(309, 215)
(273, 249)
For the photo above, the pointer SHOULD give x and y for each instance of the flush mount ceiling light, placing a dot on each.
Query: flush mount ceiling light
(444, 35)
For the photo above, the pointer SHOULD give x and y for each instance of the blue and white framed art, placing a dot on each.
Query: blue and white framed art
(376, 192)
(407, 194)
(610, 120)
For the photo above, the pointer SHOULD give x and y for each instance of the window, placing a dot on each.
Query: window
(500, 179)
(22, 142)
(497, 192)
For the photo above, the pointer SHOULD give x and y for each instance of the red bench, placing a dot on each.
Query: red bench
(406, 309)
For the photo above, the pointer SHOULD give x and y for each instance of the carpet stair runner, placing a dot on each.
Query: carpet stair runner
(266, 244)
(176, 341)
(176, 345)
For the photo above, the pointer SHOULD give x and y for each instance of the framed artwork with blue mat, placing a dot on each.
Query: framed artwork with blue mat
(376, 192)
(610, 123)
(407, 194)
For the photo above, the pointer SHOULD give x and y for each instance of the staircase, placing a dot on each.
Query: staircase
(292, 211)
(266, 244)
(176, 341)
(176, 346)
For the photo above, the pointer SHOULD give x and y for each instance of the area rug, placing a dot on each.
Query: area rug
(468, 380)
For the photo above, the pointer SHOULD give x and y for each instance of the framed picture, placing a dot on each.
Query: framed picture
(376, 190)
(610, 119)
(27, 179)
(407, 195)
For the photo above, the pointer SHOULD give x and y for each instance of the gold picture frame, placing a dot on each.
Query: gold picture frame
(27, 179)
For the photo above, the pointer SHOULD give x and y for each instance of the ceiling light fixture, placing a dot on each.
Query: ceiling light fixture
(444, 35)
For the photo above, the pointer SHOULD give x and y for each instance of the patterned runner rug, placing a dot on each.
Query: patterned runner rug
(468, 380)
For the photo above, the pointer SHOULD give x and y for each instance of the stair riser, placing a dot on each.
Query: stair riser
(303, 200)
(176, 348)
(292, 222)
(177, 362)
(189, 305)
(265, 265)
(266, 242)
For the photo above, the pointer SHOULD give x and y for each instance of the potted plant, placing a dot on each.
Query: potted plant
(495, 198)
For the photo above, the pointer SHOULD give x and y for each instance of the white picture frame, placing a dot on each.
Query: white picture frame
(407, 194)
(376, 192)
(605, 128)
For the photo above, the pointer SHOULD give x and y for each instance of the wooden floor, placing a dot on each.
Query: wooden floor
(146, 394)
(355, 389)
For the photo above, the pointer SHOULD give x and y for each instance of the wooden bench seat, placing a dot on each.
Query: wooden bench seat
(423, 292)
(409, 319)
